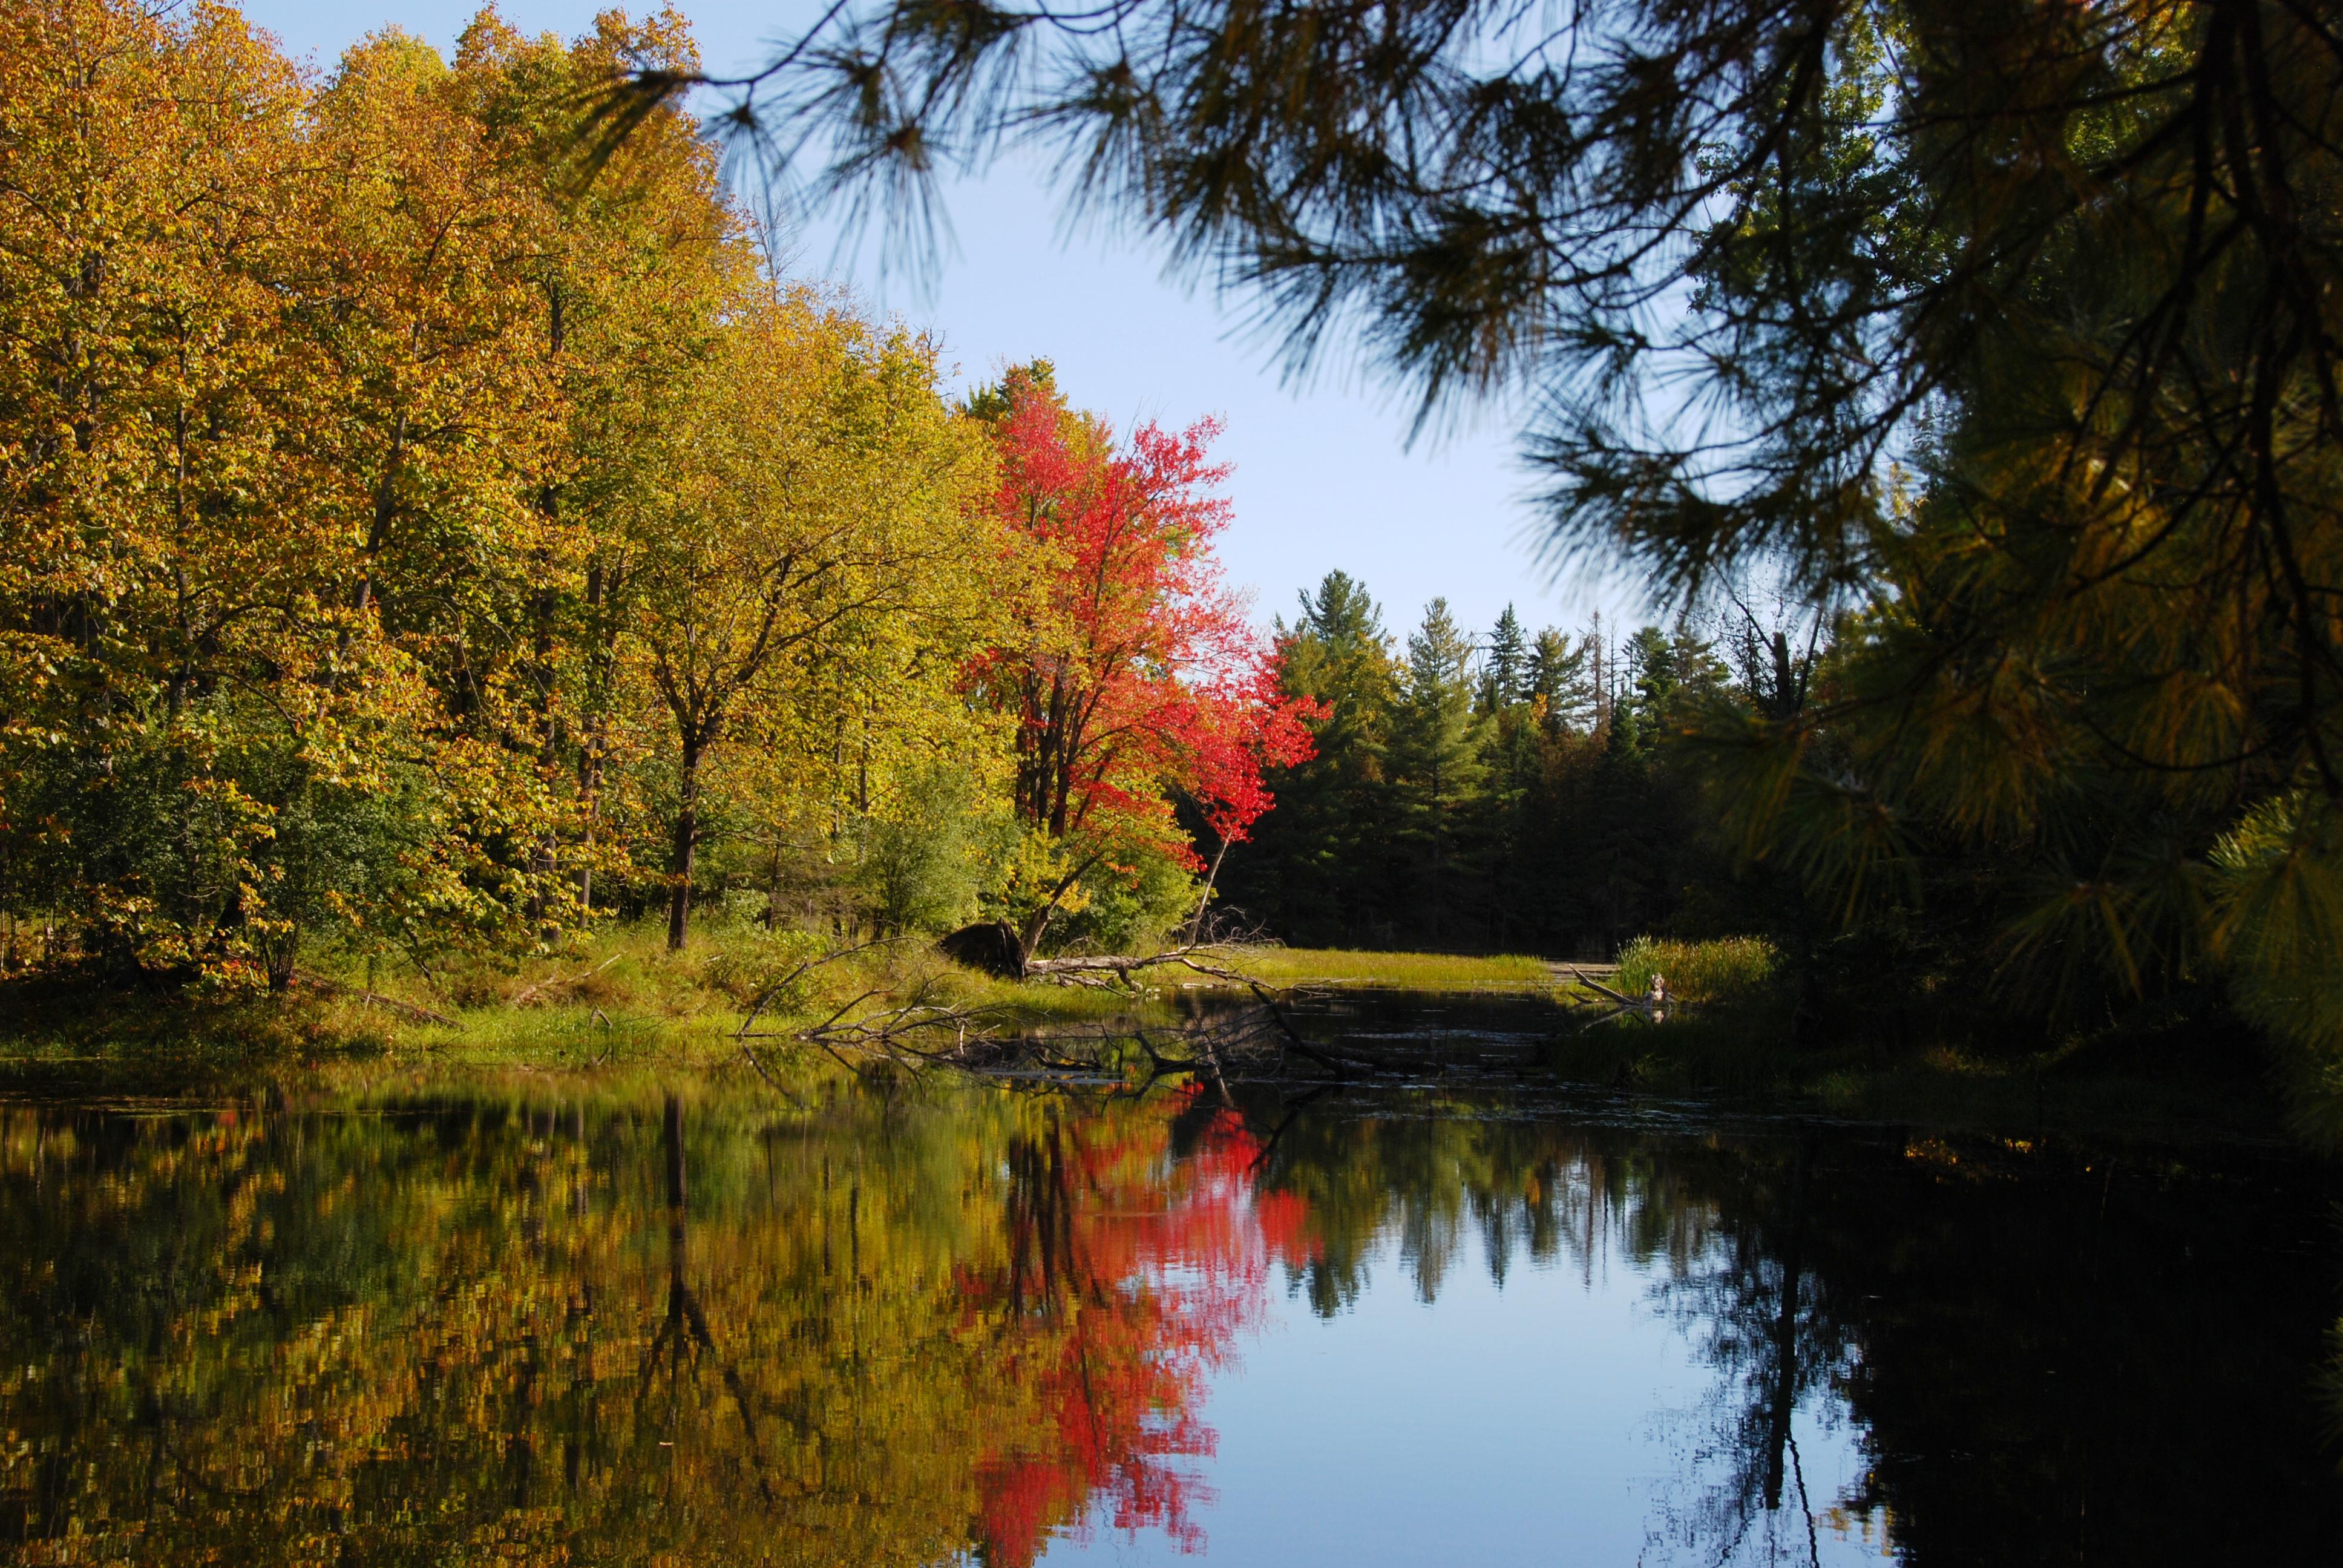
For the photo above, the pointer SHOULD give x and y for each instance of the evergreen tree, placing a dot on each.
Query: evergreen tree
(1513, 755)
(1436, 768)
(1651, 678)
(2112, 587)
(1318, 868)
(1667, 672)
(1505, 670)
(1561, 683)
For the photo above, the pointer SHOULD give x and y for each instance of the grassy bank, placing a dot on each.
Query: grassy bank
(621, 996)
(1734, 1035)
(620, 1007)
(618, 1001)
(1430, 972)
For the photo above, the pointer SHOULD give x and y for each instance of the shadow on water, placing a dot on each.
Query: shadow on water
(961, 1324)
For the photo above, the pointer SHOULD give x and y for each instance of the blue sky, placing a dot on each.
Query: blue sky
(1323, 477)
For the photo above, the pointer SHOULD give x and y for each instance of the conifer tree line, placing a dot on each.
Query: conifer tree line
(1497, 789)
(419, 537)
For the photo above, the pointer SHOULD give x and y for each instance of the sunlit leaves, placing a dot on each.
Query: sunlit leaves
(1136, 676)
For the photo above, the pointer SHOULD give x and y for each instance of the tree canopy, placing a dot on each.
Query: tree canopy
(417, 539)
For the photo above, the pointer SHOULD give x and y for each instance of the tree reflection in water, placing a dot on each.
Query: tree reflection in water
(882, 1333)
(954, 1326)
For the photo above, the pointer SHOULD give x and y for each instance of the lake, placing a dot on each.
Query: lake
(953, 1323)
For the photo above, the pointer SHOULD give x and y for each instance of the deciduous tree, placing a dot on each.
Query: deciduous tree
(820, 490)
(1136, 676)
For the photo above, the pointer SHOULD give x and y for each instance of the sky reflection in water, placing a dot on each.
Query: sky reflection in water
(1560, 1418)
(1001, 1327)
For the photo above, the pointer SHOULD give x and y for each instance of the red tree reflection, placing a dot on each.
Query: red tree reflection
(1129, 1273)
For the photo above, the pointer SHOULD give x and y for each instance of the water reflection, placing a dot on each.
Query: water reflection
(975, 1326)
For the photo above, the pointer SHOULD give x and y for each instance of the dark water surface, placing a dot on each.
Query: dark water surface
(974, 1325)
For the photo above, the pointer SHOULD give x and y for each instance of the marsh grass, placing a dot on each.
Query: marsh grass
(1432, 972)
(1727, 969)
(616, 995)
(622, 997)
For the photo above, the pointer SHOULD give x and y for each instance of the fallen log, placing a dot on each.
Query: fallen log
(1659, 996)
(1104, 968)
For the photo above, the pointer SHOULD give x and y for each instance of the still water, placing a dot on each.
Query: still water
(978, 1324)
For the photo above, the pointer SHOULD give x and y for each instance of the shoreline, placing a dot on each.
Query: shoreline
(623, 1010)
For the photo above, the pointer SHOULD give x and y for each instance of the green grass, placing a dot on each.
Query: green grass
(624, 997)
(1398, 972)
(614, 1001)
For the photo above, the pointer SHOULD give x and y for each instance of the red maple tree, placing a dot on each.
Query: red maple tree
(1140, 679)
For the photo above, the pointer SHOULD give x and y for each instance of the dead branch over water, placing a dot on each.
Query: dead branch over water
(1233, 1040)
(924, 1032)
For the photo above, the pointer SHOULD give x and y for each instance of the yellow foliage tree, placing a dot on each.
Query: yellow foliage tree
(820, 528)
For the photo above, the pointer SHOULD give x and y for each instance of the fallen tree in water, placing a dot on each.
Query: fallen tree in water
(1653, 1006)
(1255, 1040)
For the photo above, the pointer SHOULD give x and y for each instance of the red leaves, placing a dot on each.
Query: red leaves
(1139, 676)
(1130, 1275)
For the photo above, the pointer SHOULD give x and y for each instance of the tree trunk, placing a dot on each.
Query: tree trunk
(679, 864)
(1196, 926)
(279, 955)
(591, 740)
(1029, 937)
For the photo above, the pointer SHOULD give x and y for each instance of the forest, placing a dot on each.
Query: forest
(438, 525)
(418, 545)
(1497, 792)
(1999, 345)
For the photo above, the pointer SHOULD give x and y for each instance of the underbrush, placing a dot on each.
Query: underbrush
(74, 1031)
(2201, 1076)
(617, 1010)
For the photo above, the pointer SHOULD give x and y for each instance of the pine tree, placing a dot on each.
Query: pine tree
(1505, 669)
(2123, 573)
(1436, 767)
(1561, 683)
(1318, 868)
